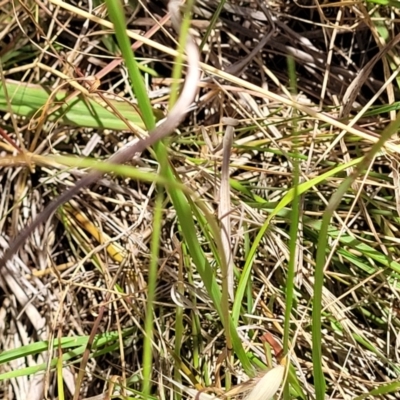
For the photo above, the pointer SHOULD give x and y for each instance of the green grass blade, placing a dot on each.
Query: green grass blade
(212, 23)
(60, 380)
(74, 346)
(28, 100)
(379, 392)
(123, 170)
(354, 243)
(179, 322)
(117, 17)
(40, 347)
(151, 290)
(293, 232)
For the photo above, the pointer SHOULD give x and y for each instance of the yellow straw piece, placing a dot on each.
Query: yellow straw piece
(115, 251)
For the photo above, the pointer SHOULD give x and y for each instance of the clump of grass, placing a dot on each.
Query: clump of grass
(314, 203)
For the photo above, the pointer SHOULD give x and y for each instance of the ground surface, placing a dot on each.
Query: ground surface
(92, 258)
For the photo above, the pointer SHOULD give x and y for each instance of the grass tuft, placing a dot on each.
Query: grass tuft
(124, 292)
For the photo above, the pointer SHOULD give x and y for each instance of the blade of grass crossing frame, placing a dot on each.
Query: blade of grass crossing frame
(393, 387)
(60, 380)
(151, 290)
(179, 326)
(319, 379)
(249, 286)
(212, 23)
(116, 14)
(293, 232)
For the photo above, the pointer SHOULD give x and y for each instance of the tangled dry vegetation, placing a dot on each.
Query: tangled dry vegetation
(97, 247)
